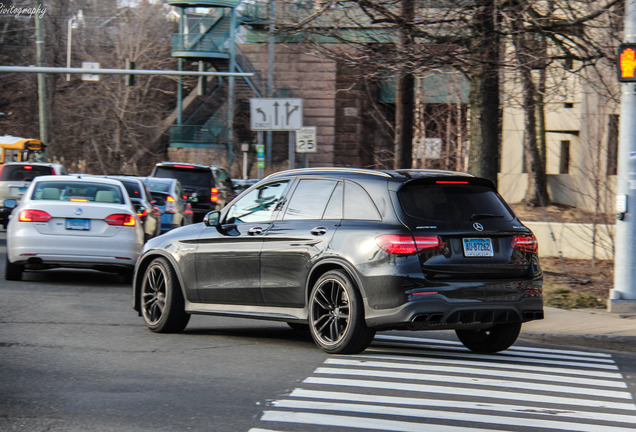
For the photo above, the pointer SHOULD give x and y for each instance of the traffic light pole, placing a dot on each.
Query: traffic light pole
(623, 296)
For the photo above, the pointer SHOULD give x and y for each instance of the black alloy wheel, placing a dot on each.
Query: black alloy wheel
(336, 315)
(162, 303)
(491, 340)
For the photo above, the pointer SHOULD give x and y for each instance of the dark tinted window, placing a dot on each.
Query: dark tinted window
(358, 204)
(133, 189)
(258, 205)
(24, 172)
(447, 203)
(309, 199)
(187, 176)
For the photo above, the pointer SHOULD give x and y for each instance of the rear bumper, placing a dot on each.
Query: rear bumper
(438, 312)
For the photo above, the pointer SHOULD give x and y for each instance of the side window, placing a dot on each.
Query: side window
(309, 199)
(358, 204)
(258, 205)
(334, 207)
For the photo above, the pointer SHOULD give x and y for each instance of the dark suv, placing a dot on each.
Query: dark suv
(208, 187)
(346, 252)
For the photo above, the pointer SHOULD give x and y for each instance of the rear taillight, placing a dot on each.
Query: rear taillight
(142, 214)
(214, 195)
(408, 245)
(525, 243)
(171, 205)
(34, 216)
(121, 219)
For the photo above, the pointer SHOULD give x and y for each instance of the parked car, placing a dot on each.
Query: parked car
(15, 178)
(208, 187)
(148, 214)
(348, 252)
(168, 196)
(73, 221)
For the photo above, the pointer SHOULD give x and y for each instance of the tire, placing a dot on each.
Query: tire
(13, 272)
(491, 340)
(336, 315)
(162, 303)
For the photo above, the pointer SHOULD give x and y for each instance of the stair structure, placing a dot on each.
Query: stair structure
(207, 37)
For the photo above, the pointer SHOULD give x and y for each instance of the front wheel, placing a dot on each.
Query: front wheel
(162, 303)
(491, 340)
(336, 315)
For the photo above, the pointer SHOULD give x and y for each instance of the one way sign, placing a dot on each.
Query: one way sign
(276, 114)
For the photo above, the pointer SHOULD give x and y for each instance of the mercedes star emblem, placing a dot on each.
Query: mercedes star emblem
(478, 226)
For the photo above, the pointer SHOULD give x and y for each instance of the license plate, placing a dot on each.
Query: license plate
(18, 191)
(78, 224)
(478, 247)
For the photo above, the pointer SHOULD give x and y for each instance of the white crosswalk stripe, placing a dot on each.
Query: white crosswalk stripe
(410, 384)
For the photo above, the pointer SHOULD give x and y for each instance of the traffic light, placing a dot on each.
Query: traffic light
(627, 62)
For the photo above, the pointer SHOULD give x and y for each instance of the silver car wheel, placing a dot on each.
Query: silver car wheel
(153, 294)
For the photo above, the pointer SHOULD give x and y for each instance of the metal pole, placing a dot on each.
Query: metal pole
(39, 54)
(270, 73)
(230, 108)
(69, 38)
(623, 296)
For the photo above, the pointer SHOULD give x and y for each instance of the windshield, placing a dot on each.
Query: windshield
(188, 177)
(24, 172)
(440, 203)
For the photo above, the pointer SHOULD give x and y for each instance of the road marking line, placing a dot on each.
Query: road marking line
(473, 381)
(363, 423)
(481, 405)
(445, 415)
(472, 392)
(476, 371)
(491, 365)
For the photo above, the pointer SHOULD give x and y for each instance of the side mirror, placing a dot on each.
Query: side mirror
(212, 218)
(11, 203)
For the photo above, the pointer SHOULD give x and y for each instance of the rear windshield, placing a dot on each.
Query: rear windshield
(447, 203)
(77, 192)
(187, 176)
(24, 172)
(133, 189)
(157, 186)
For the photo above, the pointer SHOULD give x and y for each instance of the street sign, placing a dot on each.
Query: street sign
(90, 77)
(306, 140)
(276, 114)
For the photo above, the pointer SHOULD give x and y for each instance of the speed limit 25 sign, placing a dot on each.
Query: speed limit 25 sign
(306, 140)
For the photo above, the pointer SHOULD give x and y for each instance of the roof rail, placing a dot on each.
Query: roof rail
(331, 169)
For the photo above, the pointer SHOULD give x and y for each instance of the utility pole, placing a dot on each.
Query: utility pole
(39, 54)
(623, 296)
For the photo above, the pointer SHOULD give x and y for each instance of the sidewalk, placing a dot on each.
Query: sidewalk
(588, 327)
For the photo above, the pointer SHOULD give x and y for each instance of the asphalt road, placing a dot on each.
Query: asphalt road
(75, 357)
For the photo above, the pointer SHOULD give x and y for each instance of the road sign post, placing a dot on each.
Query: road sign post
(623, 295)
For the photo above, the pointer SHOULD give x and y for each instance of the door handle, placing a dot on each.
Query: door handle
(255, 231)
(319, 231)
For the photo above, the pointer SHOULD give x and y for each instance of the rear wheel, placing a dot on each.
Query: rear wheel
(162, 303)
(494, 339)
(13, 272)
(336, 315)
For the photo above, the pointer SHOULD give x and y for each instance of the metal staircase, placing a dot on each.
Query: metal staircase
(208, 38)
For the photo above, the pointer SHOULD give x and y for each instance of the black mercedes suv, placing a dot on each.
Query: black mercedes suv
(347, 252)
(208, 187)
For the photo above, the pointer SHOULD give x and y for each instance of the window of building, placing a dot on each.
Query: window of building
(612, 144)
(564, 162)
